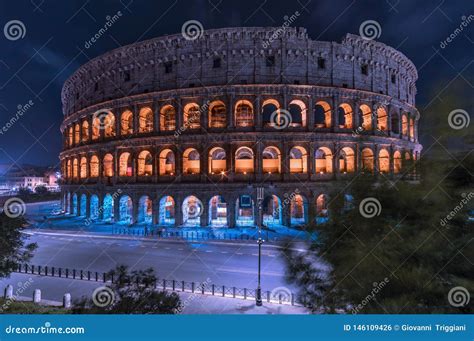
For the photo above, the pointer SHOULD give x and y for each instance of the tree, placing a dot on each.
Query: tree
(24, 191)
(13, 249)
(130, 293)
(41, 190)
(401, 249)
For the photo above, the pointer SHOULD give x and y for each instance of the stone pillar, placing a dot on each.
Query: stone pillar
(67, 301)
(37, 296)
(311, 160)
(135, 204)
(136, 117)
(8, 292)
(286, 213)
(285, 159)
(156, 116)
(230, 105)
(258, 113)
(116, 209)
(204, 162)
(88, 206)
(204, 218)
(310, 114)
(258, 160)
(231, 202)
(155, 210)
(178, 211)
(101, 206)
(204, 117)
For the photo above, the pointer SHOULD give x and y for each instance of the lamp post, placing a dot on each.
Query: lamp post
(258, 296)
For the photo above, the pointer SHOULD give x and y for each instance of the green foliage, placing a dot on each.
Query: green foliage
(41, 190)
(134, 293)
(411, 253)
(13, 249)
(24, 307)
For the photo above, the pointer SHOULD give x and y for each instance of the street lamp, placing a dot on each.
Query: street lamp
(260, 191)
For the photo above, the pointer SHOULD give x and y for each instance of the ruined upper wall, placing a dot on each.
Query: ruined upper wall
(245, 54)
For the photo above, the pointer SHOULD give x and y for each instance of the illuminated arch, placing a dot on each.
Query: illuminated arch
(384, 161)
(125, 164)
(77, 136)
(270, 106)
(323, 160)
(298, 210)
(108, 165)
(167, 162)
(192, 116)
(167, 118)
(125, 209)
(126, 123)
(145, 163)
(167, 211)
(145, 210)
(145, 120)
(191, 161)
(366, 116)
(298, 112)
(382, 119)
(192, 210)
(397, 162)
(217, 212)
(108, 124)
(271, 160)
(85, 131)
(217, 160)
(94, 166)
(217, 115)
(272, 211)
(367, 160)
(298, 160)
(75, 168)
(83, 168)
(244, 116)
(322, 115)
(404, 125)
(346, 160)
(345, 115)
(244, 160)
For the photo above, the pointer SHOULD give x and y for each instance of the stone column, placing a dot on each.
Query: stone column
(310, 114)
(178, 211)
(204, 218)
(135, 207)
(155, 210)
(258, 113)
(116, 209)
(231, 202)
(230, 106)
(88, 206)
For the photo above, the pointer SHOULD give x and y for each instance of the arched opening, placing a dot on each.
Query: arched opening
(70, 136)
(244, 160)
(83, 204)
(404, 125)
(94, 166)
(345, 116)
(298, 112)
(298, 210)
(271, 160)
(323, 160)
(244, 212)
(217, 212)
(83, 168)
(191, 162)
(397, 162)
(368, 160)
(96, 127)
(244, 114)
(108, 207)
(322, 115)
(382, 119)
(217, 161)
(298, 160)
(192, 116)
(125, 164)
(108, 164)
(384, 161)
(85, 131)
(272, 211)
(94, 207)
(322, 214)
(192, 210)
(346, 160)
(69, 169)
(366, 117)
(270, 108)
(167, 118)
(77, 136)
(145, 120)
(145, 210)
(145, 163)
(167, 210)
(412, 128)
(75, 168)
(108, 124)
(126, 123)
(74, 204)
(167, 162)
(125, 209)
(395, 123)
(217, 115)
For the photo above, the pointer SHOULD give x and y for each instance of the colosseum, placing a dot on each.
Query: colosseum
(179, 132)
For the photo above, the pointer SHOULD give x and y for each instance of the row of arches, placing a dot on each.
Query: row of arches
(298, 161)
(272, 113)
(216, 212)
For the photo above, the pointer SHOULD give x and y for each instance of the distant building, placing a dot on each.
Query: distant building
(14, 177)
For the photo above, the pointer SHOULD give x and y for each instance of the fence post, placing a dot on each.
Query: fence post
(213, 290)
(88, 275)
(292, 299)
(268, 296)
(52, 271)
(59, 272)
(202, 288)
(174, 284)
(164, 284)
(245, 293)
(32, 269)
(192, 287)
(81, 274)
(223, 290)
(233, 292)
(104, 277)
(182, 285)
(46, 270)
(74, 274)
(39, 269)
(96, 276)
(67, 273)
(19, 268)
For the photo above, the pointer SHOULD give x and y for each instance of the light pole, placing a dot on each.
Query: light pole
(258, 296)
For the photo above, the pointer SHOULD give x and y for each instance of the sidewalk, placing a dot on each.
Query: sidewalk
(53, 290)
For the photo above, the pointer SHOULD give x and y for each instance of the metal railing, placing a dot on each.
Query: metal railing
(201, 288)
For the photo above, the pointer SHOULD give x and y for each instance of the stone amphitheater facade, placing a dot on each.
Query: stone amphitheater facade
(180, 132)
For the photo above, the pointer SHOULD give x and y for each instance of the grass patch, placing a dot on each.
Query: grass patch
(25, 307)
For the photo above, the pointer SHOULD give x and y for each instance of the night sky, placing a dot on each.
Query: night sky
(34, 67)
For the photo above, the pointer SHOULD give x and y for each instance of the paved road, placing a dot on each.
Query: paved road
(220, 264)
